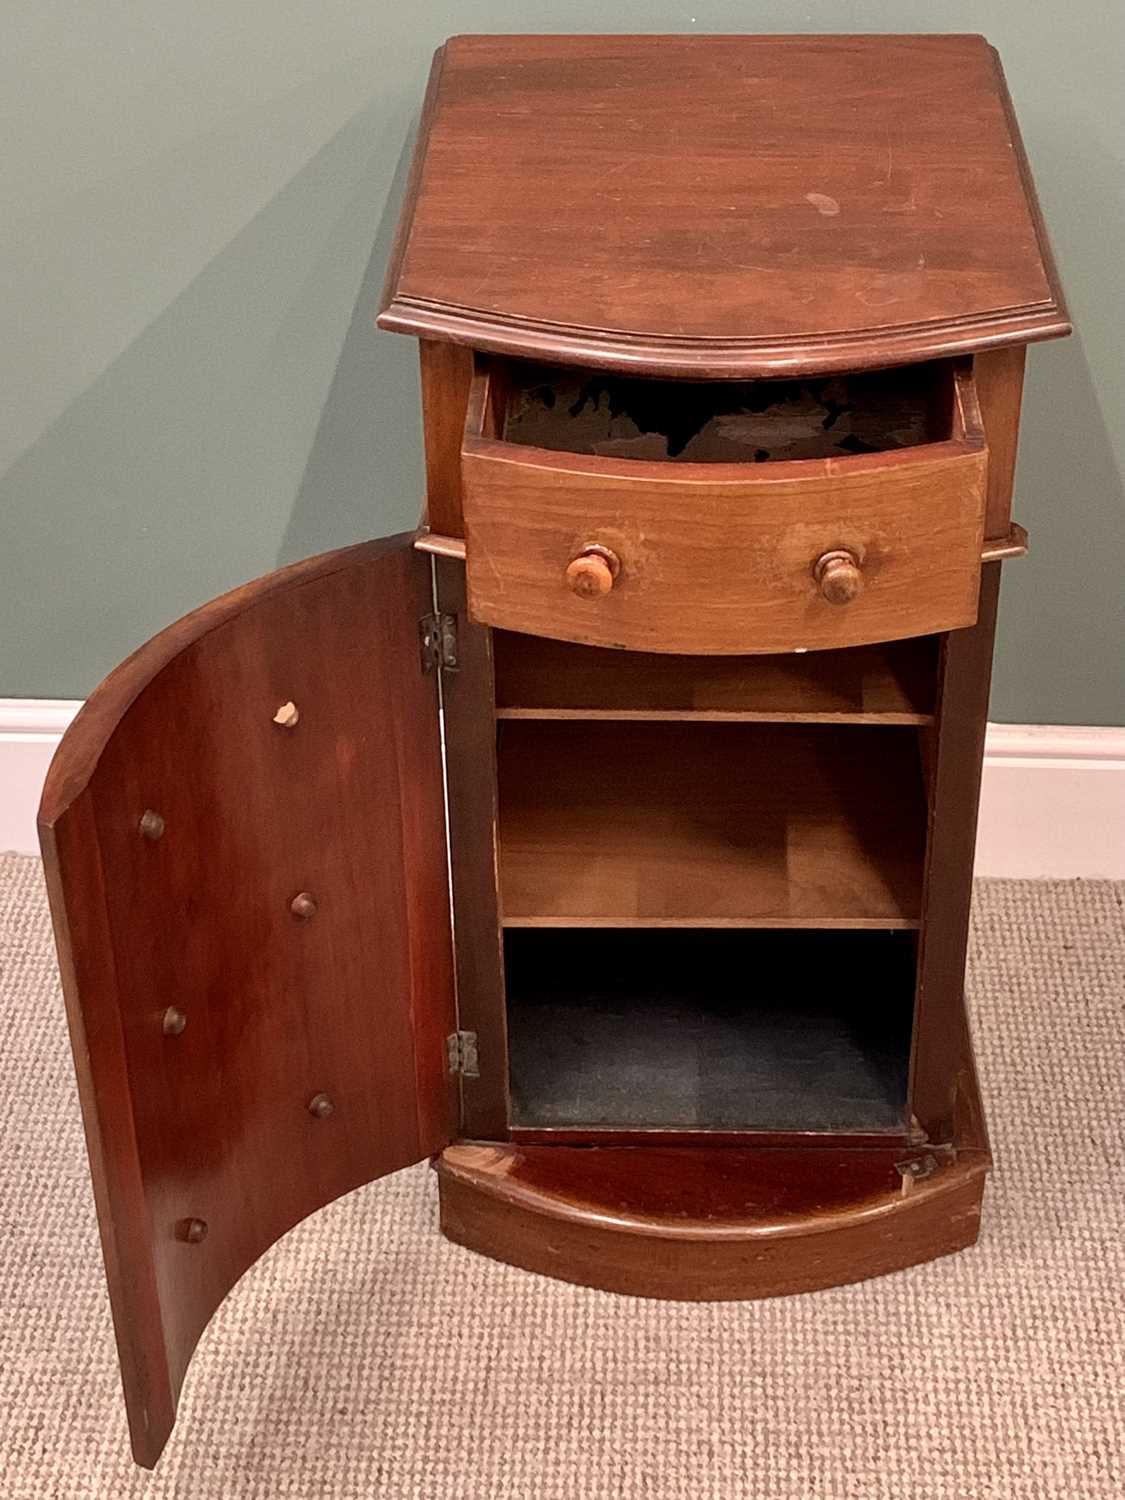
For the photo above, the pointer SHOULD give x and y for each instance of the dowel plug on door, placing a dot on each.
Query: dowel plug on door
(151, 824)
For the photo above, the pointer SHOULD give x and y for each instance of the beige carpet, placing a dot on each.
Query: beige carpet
(366, 1357)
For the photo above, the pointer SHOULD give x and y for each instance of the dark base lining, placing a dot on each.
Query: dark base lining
(695, 1028)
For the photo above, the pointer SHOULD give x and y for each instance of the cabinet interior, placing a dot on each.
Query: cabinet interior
(889, 683)
(614, 416)
(688, 1029)
(659, 823)
(664, 824)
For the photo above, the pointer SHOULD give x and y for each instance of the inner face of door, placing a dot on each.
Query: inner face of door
(710, 874)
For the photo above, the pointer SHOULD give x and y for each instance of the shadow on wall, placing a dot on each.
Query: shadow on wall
(258, 418)
(1062, 614)
(364, 474)
(206, 452)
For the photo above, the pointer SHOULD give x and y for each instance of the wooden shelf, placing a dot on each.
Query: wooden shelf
(891, 683)
(709, 825)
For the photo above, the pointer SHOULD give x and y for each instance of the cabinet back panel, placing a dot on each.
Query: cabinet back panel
(889, 683)
(693, 825)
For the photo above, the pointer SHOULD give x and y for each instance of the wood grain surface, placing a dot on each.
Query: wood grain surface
(312, 1057)
(446, 373)
(720, 558)
(890, 683)
(719, 1222)
(470, 750)
(998, 376)
(722, 205)
(678, 824)
(858, 1225)
(964, 676)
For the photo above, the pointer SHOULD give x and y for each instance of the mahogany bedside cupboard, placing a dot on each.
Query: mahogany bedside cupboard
(722, 344)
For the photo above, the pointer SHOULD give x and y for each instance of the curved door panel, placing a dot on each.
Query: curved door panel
(244, 840)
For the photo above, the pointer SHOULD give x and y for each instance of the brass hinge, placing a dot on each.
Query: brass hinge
(461, 1051)
(916, 1169)
(438, 635)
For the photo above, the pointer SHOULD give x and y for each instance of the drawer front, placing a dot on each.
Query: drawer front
(725, 558)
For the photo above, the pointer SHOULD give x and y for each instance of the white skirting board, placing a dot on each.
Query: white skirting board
(1053, 802)
(30, 729)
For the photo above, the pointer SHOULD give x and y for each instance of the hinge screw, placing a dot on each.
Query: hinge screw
(439, 642)
(174, 1021)
(916, 1168)
(462, 1054)
(151, 824)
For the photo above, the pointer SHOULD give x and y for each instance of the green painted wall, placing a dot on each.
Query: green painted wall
(199, 202)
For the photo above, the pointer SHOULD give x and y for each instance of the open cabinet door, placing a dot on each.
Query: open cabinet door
(244, 841)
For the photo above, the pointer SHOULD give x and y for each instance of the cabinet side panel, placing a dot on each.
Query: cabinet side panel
(999, 381)
(956, 747)
(470, 749)
(446, 375)
(965, 673)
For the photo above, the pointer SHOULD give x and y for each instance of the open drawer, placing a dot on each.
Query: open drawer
(723, 517)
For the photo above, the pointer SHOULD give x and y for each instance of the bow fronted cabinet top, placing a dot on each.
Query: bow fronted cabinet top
(722, 206)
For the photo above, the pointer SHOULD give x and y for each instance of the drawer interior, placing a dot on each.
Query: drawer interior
(615, 416)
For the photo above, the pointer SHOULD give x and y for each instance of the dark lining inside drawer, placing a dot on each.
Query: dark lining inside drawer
(579, 411)
(775, 1031)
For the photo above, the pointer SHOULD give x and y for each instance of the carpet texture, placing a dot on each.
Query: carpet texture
(365, 1356)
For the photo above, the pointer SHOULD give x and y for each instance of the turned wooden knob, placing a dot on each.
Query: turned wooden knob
(839, 577)
(591, 574)
(303, 906)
